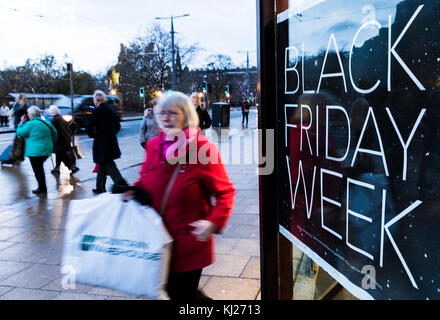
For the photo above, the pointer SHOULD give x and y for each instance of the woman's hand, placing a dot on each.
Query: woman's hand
(23, 119)
(128, 195)
(203, 229)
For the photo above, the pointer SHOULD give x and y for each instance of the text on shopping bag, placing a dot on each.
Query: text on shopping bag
(129, 248)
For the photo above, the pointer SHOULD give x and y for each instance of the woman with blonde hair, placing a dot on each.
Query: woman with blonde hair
(202, 113)
(149, 127)
(181, 186)
(19, 108)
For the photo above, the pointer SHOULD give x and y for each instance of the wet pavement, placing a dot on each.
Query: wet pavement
(32, 227)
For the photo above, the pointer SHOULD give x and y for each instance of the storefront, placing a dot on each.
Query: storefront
(351, 92)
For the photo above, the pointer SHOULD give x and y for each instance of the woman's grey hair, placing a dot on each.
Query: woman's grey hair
(34, 111)
(99, 95)
(53, 110)
(181, 101)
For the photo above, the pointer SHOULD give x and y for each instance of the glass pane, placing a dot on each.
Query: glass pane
(357, 105)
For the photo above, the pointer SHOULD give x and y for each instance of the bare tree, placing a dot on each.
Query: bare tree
(145, 62)
(219, 62)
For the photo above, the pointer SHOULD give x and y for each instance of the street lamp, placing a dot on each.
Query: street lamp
(172, 45)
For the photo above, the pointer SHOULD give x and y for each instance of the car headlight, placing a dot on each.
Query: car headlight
(67, 117)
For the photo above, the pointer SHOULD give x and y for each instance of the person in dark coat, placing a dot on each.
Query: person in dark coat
(40, 137)
(204, 118)
(63, 147)
(245, 106)
(103, 126)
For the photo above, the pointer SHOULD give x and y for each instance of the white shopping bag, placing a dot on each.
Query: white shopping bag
(118, 245)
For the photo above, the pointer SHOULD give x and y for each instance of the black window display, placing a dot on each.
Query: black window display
(358, 106)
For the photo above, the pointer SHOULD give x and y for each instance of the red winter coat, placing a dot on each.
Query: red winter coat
(189, 200)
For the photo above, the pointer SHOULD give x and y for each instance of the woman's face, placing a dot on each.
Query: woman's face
(172, 117)
(195, 100)
(95, 102)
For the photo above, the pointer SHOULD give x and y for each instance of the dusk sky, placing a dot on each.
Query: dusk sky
(89, 32)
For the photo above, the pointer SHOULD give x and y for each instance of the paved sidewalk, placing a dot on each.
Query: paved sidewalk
(31, 233)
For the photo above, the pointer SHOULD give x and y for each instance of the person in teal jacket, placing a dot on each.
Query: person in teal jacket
(40, 136)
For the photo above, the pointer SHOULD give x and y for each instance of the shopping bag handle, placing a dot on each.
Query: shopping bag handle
(169, 187)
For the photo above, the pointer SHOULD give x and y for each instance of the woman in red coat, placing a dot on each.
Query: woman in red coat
(189, 214)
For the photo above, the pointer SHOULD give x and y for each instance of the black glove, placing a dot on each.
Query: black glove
(139, 194)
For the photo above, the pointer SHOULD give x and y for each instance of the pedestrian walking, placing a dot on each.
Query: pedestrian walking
(245, 106)
(181, 192)
(16, 151)
(103, 126)
(40, 137)
(149, 127)
(4, 114)
(202, 113)
(19, 108)
(63, 147)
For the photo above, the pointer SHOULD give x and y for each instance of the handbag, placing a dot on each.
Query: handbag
(17, 152)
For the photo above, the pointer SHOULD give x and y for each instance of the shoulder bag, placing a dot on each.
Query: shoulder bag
(169, 187)
(51, 130)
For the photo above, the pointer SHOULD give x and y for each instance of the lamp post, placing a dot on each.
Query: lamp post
(70, 70)
(172, 46)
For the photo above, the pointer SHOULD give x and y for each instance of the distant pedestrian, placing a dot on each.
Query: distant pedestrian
(182, 193)
(40, 137)
(19, 108)
(4, 114)
(103, 126)
(245, 106)
(204, 118)
(63, 147)
(149, 127)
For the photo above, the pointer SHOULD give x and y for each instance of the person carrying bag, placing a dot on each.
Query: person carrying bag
(40, 136)
(203, 115)
(181, 188)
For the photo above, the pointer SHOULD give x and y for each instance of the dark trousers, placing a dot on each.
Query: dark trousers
(37, 167)
(108, 168)
(245, 115)
(62, 157)
(185, 286)
(4, 120)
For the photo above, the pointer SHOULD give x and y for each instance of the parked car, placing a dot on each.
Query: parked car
(83, 107)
